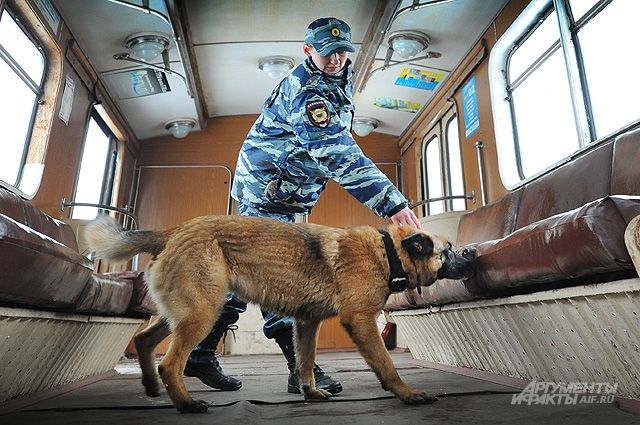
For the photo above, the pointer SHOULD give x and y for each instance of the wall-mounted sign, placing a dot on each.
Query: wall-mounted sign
(397, 104)
(470, 107)
(419, 79)
(138, 83)
(66, 105)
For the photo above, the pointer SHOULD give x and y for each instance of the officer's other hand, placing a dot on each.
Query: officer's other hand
(406, 217)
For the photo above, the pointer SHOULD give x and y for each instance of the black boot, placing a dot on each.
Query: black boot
(202, 362)
(323, 381)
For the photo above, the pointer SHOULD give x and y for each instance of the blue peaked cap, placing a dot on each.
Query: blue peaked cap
(329, 35)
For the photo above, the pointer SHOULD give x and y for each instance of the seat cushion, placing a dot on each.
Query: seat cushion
(141, 301)
(141, 304)
(104, 295)
(492, 221)
(38, 271)
(625, 173)
(582, 242)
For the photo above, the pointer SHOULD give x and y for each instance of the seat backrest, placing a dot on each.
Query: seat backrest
(444, 225)
(625, 173)
(572, 185)
(492, 221)
(22, 211)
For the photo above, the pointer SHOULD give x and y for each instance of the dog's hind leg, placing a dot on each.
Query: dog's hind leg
(190, 280)
(364, 333)
(145, 342)
(306, 339)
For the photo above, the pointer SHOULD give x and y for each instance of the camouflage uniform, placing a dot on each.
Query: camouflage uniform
(300, 141)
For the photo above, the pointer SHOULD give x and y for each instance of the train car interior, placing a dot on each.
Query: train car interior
(508, 125)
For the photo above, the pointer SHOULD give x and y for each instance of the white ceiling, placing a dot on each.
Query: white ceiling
(230, 36)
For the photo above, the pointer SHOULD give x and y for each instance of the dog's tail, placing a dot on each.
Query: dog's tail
(109, 240)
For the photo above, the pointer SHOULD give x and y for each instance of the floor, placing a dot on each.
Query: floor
(263, 399)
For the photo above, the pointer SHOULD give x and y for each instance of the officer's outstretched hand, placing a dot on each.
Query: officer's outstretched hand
(406, 217)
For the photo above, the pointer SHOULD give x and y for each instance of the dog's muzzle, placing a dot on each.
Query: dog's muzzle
(457, 266)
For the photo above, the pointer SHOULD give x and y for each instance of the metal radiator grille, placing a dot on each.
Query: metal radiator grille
(580, 334)
(43, 350)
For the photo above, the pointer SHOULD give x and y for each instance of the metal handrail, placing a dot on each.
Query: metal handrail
(134, 219)
(471, 196)
(483, 188)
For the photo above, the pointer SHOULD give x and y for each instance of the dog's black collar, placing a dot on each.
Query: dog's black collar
(398, 278)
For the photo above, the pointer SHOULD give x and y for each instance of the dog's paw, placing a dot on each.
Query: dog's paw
(418, 398)
(198, 406)
(315, 393)
(151, 387)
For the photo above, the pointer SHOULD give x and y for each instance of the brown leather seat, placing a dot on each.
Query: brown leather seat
(104, 295)
(566, 225)
(37, 270)
(42, 268)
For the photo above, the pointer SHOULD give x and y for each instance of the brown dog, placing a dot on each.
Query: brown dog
(306, 271)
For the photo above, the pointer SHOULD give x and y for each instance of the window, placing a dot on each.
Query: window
(97, 168)
(433, 173)
(442, 167)
(456, 177)
(561, 79)
(611, 64)
(22, 66)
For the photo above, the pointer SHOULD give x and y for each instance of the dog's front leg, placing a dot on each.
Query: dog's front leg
(306, 338)
(364, 333)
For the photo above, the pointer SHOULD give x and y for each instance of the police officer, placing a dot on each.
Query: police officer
(301, 140)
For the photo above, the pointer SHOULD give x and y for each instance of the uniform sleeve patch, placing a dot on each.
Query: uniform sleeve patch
(318, 114)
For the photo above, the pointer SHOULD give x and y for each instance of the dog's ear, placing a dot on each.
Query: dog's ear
(418, 245)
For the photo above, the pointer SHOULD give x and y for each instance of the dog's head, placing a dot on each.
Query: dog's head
(427, 258)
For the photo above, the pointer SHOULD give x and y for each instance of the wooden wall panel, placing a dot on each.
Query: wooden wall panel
(219, 144)
(64, 142)
(64, 148)
(412, 175)
(168, 196)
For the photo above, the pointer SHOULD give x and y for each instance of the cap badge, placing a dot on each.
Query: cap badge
(335, 32)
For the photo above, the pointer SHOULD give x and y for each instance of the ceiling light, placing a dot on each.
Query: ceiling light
(363, 126)
(147, 46)
(180, 127)
(408, 43)
(275, 66)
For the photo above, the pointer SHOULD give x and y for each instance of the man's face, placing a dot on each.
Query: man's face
(331, 64)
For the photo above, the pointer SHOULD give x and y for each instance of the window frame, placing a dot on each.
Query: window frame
(110, 167)
(509, 159)
(440, 131)
(37, 88)
(433, 135)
